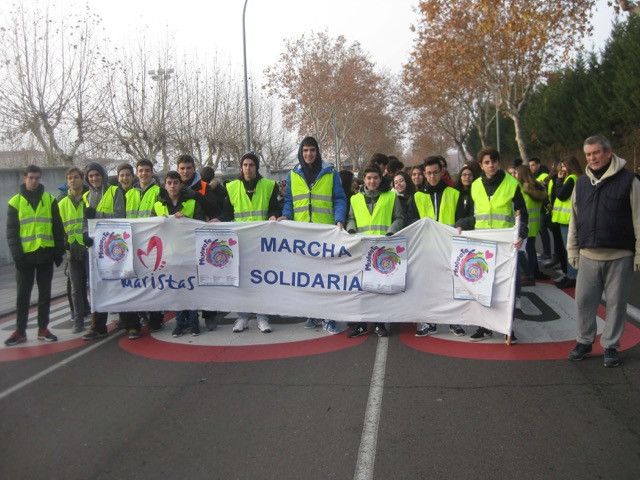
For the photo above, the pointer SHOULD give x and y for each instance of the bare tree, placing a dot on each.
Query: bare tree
(48, 80)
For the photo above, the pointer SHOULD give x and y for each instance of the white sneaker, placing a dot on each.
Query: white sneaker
(240, 325)
(263, 325)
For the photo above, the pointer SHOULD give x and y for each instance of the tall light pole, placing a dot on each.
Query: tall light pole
(246, 82)
(161, 76)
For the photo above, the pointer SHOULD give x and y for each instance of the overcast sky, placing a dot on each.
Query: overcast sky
(215, 27)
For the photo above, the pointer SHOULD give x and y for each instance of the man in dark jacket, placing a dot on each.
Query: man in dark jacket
(36, 240)
(603, 244)
(210, 197)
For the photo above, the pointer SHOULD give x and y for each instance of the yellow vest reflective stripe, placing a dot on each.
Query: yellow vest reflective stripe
(105, 205)
(315, 205)
(562, 208)
(36, 227)
(377, 222)
(132, 201)
(188, 208)
(541, 177)
(72, 218)
(449, 201)
(252, 209)
(149, 198)
(533, 208)
(497, 211)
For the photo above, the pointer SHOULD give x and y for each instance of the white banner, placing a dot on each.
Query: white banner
(384, 264)
(113, 245)
(473, 268)
(302, 269)
(217, 256)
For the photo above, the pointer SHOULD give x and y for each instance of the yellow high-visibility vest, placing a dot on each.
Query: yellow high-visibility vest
(252, 209)
(533, 208)
(315, 205)
(147, 201)
(72, 218)
(497, 211)
(105, 205)
(36, 226)
(562, 208)
(187, 208)
(447, 210)
(377, 222)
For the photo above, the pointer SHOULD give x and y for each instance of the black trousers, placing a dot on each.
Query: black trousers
(25, 275)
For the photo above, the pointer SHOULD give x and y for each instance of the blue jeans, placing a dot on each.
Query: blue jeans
(186, 318)
(564, 231)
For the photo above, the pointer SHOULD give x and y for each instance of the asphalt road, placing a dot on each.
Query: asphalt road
(111, 415)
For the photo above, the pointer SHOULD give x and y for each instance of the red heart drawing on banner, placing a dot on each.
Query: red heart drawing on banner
(232, 242)
(399, 249)
(125, 235)
(154, 244)
(488, 254)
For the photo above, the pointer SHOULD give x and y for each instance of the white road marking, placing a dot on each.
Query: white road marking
(369, 439)
(56, 366)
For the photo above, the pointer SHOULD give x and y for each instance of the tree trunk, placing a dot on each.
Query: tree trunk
(522, 147)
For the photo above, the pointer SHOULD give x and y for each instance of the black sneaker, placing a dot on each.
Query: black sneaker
(94, 335)
(195, 330)
(381, 330)
(580, 351)
(46, 335)
(134, 334)
(15, 338)
(177, 332)
(457, 330)
(611, 358)
(481, 334)
(425, 329)
(358, 331)
(541, 276)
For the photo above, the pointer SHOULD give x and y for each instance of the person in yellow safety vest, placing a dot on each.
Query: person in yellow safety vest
(72, 213)
(376, 210)
(252, 198)
(149, 191)
(541, 174)
(127, 198)
(179, 201)
(314, 193)
(443, 204)
(534, 194)
(99, 203)
(496, 201)
(210, 195)
(36, 241)
(568, 172)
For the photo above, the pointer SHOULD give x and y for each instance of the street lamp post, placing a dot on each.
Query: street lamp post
(161, 76)
(246, 82)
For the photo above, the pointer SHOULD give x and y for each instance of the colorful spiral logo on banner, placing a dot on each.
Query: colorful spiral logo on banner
(473, 267)
(218, 253)
(385, 260)
(115, 247)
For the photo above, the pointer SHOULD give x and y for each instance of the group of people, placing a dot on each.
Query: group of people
(594, 219)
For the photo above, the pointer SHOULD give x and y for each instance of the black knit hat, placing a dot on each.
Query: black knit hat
(251, 156)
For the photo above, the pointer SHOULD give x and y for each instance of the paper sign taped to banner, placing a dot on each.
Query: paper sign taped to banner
(384, 264)
(473, 267)
(113, 247)
(217, 257)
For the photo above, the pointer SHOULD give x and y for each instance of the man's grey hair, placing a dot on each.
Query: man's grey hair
(598, 140)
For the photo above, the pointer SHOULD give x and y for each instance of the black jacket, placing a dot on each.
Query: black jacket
(42, 255)
(185, 194)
